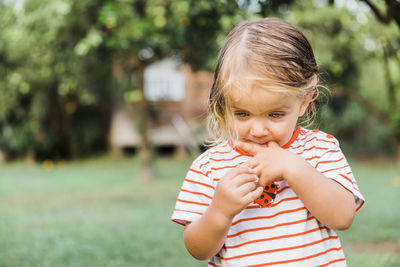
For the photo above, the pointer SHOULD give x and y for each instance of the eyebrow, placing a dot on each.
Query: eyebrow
(271, 109)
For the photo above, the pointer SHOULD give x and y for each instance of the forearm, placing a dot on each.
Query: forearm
(327, 200)
(206, 236)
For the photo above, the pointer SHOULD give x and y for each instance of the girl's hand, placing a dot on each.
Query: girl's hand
(270, 162)
(237, 189)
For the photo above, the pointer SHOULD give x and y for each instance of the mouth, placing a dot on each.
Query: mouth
(258, 142)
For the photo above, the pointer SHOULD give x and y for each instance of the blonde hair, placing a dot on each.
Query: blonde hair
(270, 54)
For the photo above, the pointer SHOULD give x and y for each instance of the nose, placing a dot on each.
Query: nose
(259, 129)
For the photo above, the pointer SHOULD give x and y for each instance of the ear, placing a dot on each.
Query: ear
(306, 102)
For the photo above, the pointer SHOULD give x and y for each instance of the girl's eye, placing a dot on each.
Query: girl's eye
(276, 115)
(241, 114)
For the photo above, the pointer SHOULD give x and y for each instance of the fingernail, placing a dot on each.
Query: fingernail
(257, 179)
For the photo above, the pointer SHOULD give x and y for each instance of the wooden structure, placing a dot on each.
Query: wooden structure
(177, 117)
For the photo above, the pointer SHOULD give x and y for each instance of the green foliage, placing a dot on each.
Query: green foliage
(57, 57)
(64, 64)
(45, 81)
(348, 44)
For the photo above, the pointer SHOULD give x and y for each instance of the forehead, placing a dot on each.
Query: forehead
(259, 100)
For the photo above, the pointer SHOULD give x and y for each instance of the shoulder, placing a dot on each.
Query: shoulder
(314, 136)
(314, 140)
(220, 151)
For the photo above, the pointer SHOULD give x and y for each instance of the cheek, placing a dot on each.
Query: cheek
(284, 132)
(239, 127)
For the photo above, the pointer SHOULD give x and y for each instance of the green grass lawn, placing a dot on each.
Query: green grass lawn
(98, 213)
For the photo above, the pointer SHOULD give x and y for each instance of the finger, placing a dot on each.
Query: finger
(273, 144)
(250, 148)
(246, 188)
(253, 163)
(245, 179)
(250, 164)
(253, 195)
(241, 169)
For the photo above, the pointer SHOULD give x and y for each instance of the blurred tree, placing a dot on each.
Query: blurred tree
(57, 60)
(141, 32)
(390, 46)
(47, 91)
(347, 43)
(392, 11)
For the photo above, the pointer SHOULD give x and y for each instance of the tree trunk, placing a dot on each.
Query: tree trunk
(146, 151)
(388, 77)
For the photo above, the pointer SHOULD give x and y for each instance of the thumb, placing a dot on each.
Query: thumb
(248, 147)
(272, 144)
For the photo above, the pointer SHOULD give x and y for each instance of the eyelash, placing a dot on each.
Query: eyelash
(276, 115)
(241, 114)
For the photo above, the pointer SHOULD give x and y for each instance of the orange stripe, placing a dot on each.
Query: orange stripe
(201, 165)
(326, 141)
(362, 204)
(336, 169)
(210, 152)
(196, 193)
(268, 217)
(281, 249)
(225, 167)
(331, 151)
(273, 204)
(329, 161)
(199, 172)
(306, 136)
(235, 157)
(276, 237)
(317, 139)
(213, 264)
(318, 157)
(221, 152)
(192, 202)
(315, 157)
(334, 261)
(270, 227)
(348, 179)
(305, 142)
(316, 147)
(282, 189)
(299, 259)
(204, 155)
(353, 183)
(283, 200)
(190, 211)
(195, 182)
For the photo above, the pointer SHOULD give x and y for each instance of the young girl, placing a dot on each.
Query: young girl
(269, 192)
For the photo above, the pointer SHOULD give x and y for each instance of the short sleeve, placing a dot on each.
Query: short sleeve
(195, 195)
(333, 164)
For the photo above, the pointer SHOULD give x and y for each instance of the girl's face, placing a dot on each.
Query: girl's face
(260, 116)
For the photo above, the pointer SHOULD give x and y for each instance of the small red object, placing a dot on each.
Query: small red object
(268, 195)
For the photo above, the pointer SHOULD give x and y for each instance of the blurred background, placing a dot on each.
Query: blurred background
(102, 108)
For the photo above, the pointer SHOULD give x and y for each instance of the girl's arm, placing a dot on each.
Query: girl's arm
(332, 204)
(206, 236)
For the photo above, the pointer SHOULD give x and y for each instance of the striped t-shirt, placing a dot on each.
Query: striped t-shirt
(283, 234)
